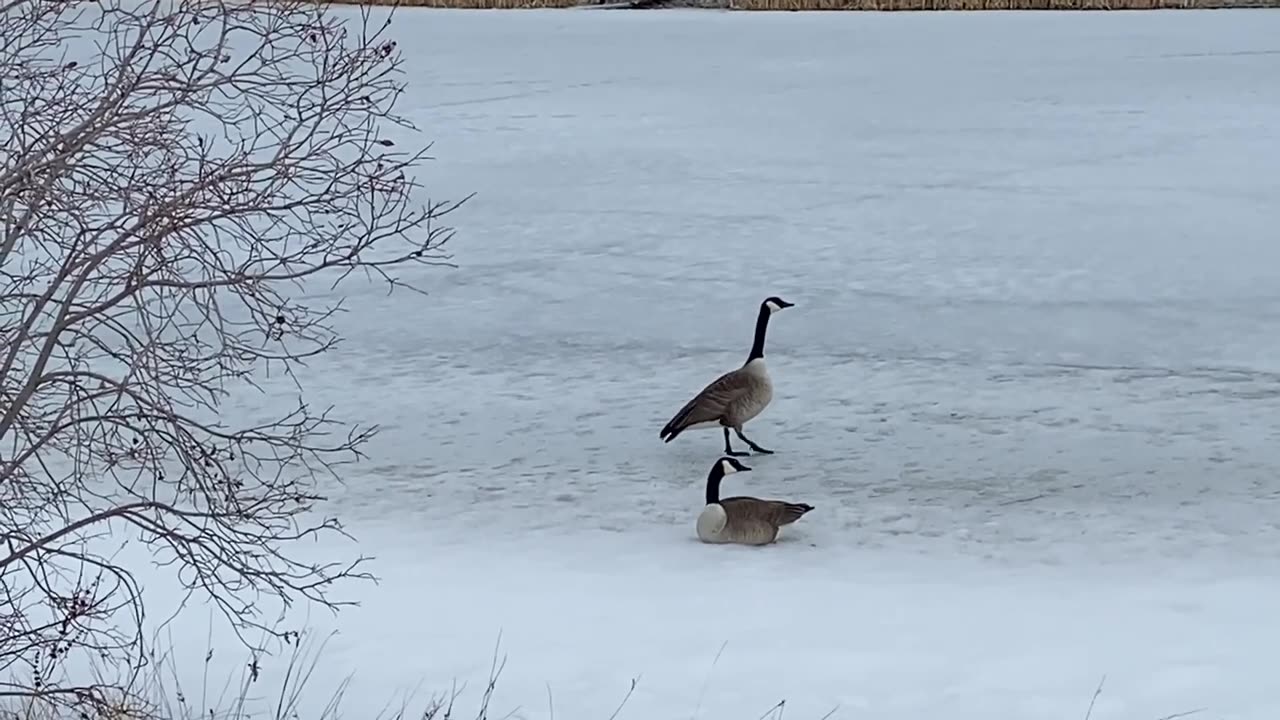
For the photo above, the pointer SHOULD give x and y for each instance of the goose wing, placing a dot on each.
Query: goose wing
(710, 404)
(775, 512)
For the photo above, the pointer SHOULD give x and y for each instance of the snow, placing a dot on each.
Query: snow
(1031, 381)
(867, 633)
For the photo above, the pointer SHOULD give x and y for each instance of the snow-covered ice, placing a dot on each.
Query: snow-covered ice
(1031, 381)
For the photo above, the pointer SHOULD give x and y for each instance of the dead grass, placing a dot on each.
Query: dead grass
(155, 692)
(922, 5)
(162, 697)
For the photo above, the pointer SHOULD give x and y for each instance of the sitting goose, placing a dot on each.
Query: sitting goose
(742, 520)
(735, 397)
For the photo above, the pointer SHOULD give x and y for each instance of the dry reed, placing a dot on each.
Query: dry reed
(924, 5)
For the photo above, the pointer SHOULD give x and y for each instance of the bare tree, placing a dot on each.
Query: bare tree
(183, 183)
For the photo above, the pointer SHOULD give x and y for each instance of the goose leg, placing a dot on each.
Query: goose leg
(728, 449)
(744, 439)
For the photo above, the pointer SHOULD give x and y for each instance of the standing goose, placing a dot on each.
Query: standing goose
(742, 520)
(735, 397)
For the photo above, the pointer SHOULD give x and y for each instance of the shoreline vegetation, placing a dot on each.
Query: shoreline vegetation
(831, 5)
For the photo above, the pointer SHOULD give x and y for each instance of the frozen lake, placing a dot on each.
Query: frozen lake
(1031, 381)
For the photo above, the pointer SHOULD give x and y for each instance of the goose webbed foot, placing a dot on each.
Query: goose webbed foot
(728, 449)
(754, 447)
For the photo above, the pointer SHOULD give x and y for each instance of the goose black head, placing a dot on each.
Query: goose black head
(775, 303)
(730, 465)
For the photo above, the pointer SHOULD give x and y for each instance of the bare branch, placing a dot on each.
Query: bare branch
(183, 187)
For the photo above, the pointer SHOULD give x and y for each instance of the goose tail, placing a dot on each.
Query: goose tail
(792, 512)
(670, 431)
(675, 425)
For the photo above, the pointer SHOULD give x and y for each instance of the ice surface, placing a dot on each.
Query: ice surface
(1031, 381)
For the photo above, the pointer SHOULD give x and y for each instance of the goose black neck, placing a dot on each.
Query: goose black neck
(713, 484)
(762, 327)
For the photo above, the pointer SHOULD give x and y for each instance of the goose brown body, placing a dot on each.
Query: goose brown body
(736, 397)
(731, 400)
(742, 519)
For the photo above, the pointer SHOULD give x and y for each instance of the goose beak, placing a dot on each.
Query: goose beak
(786, 304)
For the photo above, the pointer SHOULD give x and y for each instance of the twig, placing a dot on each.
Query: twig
(706, 682)
(1017, 501)
(625, 699)
(495, 671)
(1188, 713)
(1096, 693)
(780, 707)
